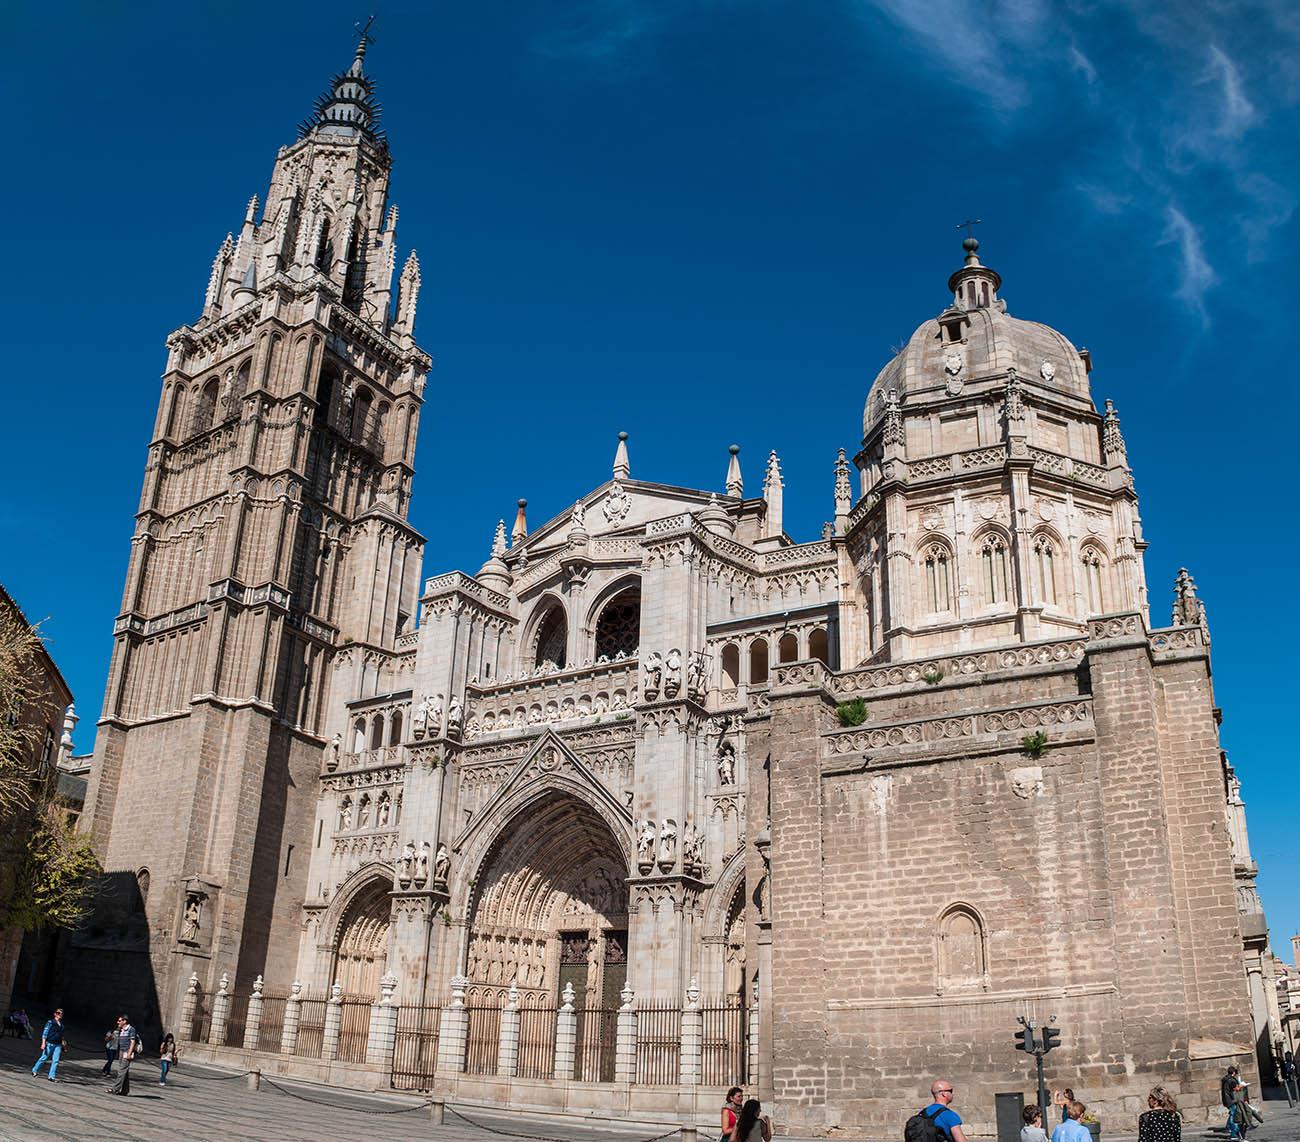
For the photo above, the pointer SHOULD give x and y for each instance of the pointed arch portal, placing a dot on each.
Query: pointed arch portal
(362, 954)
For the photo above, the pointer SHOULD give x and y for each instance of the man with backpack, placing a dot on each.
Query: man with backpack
(936, 1122)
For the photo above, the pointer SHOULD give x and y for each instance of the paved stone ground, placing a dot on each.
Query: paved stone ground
(200, 1104)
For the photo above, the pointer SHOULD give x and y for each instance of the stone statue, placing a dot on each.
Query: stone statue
(190, 922)
(673, 673)
(345, 815)
(692, 848)
(433, 710)
(578, 517)
(420, 718)
(422, 868)
(667, 842)
(645, 842)
(455, 716)
(384, 811)
(654, 674)
(363, 813)
(727, 763)
(441, 865)
(695, 672)
(406, 865)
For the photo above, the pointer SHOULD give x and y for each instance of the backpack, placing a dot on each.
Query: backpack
(921, 1128)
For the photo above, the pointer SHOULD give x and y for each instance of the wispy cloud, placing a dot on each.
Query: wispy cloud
(602, 31)
(1196, 275)
(1236, 110)
(1082, 64)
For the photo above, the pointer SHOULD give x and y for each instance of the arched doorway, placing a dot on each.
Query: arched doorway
(362, 954)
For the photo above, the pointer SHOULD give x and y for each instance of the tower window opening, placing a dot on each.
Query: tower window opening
(552, 639)
(1092, 580)
(993, 555)
(1045, 560)
(937, 580)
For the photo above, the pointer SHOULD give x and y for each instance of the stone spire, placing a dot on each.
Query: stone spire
(408, 293)
(520, 531)
(494, 573)
(843, 494)
(735, 485)
(246, 291)
(622, 467)
(1112, 440)
(348, 109)
(70, 721)
(716, 519)
(499, 540)
(773, 487)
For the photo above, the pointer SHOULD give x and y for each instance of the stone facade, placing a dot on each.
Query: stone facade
(888, 790)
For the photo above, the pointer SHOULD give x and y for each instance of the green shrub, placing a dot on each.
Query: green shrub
(852, 713)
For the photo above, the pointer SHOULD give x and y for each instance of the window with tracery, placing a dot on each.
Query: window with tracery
(552, 639)
(938, 580)
(205, 408)
(1092, 575)
(1045, 561)
(618, 630)
(993, 555)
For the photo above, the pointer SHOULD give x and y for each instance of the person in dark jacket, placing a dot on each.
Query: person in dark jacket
(52, 1045)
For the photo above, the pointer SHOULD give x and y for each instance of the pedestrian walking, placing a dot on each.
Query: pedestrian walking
(51, 1044)
(1072, 1130)
(937, 1122)
(1032, 1131)
(110, 1051)
(166, 1057)
(1161, 1121)
(730, 1112)
(752, 1125)
(1228, 1087)
(128, 1046)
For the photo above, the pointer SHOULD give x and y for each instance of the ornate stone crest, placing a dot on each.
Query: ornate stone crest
(1047, 370)
(1026, 781)
(617, 504)
(952, 364)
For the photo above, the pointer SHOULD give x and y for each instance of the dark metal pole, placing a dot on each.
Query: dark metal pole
(1042, 1089)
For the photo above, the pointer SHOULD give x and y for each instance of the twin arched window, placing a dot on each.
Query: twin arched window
(993, 558)
(1045, 568)
(938, 578)
(618, 630)
(552, 639)
(1090, 561)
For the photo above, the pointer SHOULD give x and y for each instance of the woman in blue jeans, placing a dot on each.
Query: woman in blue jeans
(51, 1045)
(166, 1057)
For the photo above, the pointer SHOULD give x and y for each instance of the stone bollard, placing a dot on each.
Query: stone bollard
(690, 1134)
(692, 1055)
(437, 1111)
(188, 1005)
(453, 1028)
(254, 1080)
(382, 1040)
(292, 1017)
(508, 1041)
(220, 1013)
(333, 1021)
(566, 1035)
(625, 1039)
(253, 1024)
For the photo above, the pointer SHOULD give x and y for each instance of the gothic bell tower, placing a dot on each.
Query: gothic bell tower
(272, 530)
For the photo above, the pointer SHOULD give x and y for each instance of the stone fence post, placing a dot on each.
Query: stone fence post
(292, 1017)
(453, 1028)
(382, 1040)
(220, 1013)
(625, 1039)
(692, 1056)
(508, 1043)
(190, 1002)
(253, 1024)
(566, 1035)
(751, 1071)
(333, 1020)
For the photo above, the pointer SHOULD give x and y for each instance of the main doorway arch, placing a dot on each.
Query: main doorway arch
(362, 954)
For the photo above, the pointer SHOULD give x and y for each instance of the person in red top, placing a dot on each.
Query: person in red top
(731, 1111)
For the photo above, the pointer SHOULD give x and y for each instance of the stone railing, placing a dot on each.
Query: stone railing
(799, 553)
(459, 581)
(1175, 638)
(936, 466)
(940, 728)
(565, 695)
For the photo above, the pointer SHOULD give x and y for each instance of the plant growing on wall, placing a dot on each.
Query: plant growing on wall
(933, 676)
(852, 713)
(1035, 744)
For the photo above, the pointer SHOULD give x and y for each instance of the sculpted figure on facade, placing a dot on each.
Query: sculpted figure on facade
(384, 810)
(441, 864)
(345, 815)
(667, 844)
(692, 849)
(672, 673)
(190, 920)
(406, 865)
(455, 716)
(645, 845)
(422, 866)
(727, 763)
(697, 670)
(654, 674)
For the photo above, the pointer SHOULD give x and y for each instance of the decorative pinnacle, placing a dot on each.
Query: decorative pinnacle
(499, 540)
(735, 483)
(622, 466)
(520, 530)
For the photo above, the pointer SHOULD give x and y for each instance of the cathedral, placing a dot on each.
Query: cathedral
(879, 794)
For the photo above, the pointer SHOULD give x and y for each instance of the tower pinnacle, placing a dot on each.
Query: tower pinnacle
(349, 108)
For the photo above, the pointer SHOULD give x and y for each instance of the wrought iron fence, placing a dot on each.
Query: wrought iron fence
(237, 1020)
(310, 1043)
(483, 1040)
(596, 1044)
(536, 1042)
(272, 1026)
(415, 1049)
(201, 1022)
(725, 1059)
(354, 1031)
(658, 1042)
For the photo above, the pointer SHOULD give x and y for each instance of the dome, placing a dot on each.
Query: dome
(976, 338)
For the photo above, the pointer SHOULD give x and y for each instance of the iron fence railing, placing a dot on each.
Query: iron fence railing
(237, 1020)
(272, 1025)
(201, 1022)
(483, 1040)
(725, 1060)
(310, 1043)
(354, 1030)
(415, 1048)
(536, 1042)
(658, 1042)
(596, 1044)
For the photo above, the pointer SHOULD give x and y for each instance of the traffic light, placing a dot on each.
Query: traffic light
(1051, 1038)
(1025, 1039)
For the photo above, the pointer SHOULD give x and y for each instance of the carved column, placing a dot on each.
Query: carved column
(755, 1072)
(292, 1016)
(625, 1040)
(692, 1053)
(253, 1024)
(188, 1006)
(220, 1013)
(508, 1044)
(454, 1029)
(566, 1035)
(383, 1025)
(333, 1020)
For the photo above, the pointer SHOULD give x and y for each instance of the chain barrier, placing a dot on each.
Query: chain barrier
(344, 1106)
(541, 1137)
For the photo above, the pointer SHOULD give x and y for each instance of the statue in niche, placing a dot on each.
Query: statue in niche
(420, 718)
(384, 811)
(667, 842)
(422, 868)
(455, 716)
(441, 865)
(363, 813)
(578, 517)
(727, 763)
(332, 762)
(695, 672)
(406, 865)
(692, 848)
(345, 815)
(190, 919)
(645, 843)
(672, 673)
(654, 674)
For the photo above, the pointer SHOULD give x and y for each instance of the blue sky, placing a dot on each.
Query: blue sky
(703, 223)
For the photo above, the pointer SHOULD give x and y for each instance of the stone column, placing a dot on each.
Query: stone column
(333, 1019)
(292, 1016)
(752, 1069)
(508, 1043)
(453, 1029)
(566, 1035)
(383, 1025)
(692, 1052)
(220, 1013)
(625, 1040)
(253, 1024)
(187, 1007)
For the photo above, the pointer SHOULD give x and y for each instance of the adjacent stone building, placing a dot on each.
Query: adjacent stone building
(884, 792)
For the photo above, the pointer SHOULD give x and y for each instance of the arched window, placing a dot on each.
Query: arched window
(377, 731)
(362, 406)
(142, 882)
(993, 558)
(787, 649)
(552, 639)
(176, 414)
(757, 662)
(1045, 562)
(325, 395)
(358, 735)
(238, 387)
(395, 729)
(730, 666)
(205, 408)
(1091, 559)
(618, 630)
(961, 950)
(938, 581)
(324, 249)
(819, 646)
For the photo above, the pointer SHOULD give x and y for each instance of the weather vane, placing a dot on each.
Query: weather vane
(366, 37)
(962, 225)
